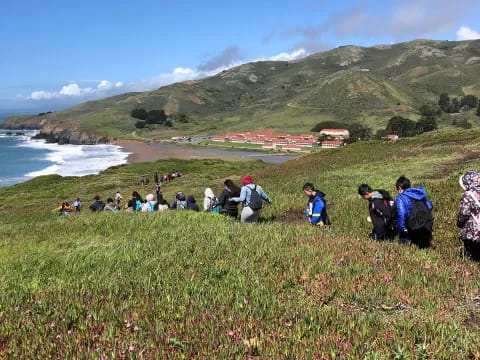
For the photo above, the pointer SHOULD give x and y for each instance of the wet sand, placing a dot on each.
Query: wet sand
(146, 152)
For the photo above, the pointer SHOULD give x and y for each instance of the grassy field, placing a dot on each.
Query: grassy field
(183, 285)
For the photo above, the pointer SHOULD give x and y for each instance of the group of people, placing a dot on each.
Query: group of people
(162, 178)
(409, 216)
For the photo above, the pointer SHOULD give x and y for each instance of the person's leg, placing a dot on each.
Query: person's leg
(255, 216)
(422, 239)
(246, 214)
(403, 238)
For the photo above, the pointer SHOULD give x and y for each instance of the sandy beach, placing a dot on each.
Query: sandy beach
(146, 152)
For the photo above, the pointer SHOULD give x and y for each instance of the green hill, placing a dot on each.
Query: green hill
(184, 285)
(349, 84)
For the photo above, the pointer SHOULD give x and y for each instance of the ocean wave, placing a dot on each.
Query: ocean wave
(76, 160)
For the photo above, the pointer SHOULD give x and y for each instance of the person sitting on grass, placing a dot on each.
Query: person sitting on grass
(98, 205)
(149, 203)
(111, 206)
(316, 211)
(136, 202)
(229, 208)
(180, 202)
(252, 197)
(382, 212)
(192, 204)
(468, 218)
(64, 210)
(414, 219)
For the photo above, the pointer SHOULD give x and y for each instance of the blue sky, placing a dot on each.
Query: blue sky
(58, 53)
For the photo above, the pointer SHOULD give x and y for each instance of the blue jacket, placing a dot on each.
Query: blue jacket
(315, 208)
(246, 193)
(404, 202)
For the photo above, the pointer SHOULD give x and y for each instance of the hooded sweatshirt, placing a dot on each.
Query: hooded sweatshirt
(468, 218)
(192, 204)
(209, 200)
(179, 202)
(404, 202)
(315, 212)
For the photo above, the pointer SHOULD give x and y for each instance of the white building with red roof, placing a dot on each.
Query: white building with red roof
(292, 147)
(332, 144)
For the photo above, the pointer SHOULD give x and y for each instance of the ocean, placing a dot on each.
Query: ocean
(22, 158)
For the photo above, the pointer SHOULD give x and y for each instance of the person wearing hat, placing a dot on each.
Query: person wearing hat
(468, 218)
(251, 197)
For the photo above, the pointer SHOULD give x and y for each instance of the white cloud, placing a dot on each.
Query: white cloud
(465, 33)
(106, 88)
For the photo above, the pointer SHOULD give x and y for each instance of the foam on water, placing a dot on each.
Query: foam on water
(38, 158)
(76, 160)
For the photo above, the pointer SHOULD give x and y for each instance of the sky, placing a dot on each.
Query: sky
(56, 53)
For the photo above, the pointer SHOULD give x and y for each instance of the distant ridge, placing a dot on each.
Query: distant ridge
(349, 83)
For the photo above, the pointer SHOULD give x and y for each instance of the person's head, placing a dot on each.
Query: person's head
(309, 189)
(402, 184)
(78, 199)
(247, 179)
(209, 193)
(63, 204)
(135, 195)
(96, 198)
(234, 189)
(180, 196)
(365, 191)
(118, 191)
(470, 180)
(191, 199)
(162, 201)
(150, 197)
(109, 200)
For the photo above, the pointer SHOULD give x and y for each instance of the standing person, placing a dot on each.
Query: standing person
(229, 207)
(414, 218)
(210, 202)
(98, 205)
(111, 206)
(316, 211)
(155, 178)
(251, 196)
(77, 204)
(468, 218)
(381, 210)
(118, 197)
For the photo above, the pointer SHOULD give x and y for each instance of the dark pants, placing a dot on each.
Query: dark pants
(472, 249)
(420, 238)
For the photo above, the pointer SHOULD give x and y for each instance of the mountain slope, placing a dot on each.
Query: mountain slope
(349, 83)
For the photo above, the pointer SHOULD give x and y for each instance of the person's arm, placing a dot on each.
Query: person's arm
(263, 195)
(206, 204)
(402, 214)
(464, 212)
(317, 211)
(222, 199)
(243, 195)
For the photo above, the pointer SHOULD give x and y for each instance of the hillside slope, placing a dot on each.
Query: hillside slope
(183, 285)
(349, 83)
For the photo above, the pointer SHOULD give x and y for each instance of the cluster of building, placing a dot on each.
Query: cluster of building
(271, 140)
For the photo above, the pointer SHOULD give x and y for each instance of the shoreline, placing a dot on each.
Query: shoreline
(139, 151)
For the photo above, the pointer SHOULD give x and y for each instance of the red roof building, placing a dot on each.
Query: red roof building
(331, 144)
(292, 147)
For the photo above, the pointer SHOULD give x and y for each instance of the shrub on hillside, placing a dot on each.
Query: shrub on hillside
(139, 114)
(156, 117)
(140, 124)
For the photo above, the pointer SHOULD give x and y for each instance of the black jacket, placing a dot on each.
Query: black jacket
(192, 204)
(229, 207)
(382, 215)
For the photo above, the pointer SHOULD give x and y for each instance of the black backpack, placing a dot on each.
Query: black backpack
(390, 212)
(255, 202)
(420, 217)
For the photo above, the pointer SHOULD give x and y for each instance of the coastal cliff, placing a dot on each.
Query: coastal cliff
(54, 132)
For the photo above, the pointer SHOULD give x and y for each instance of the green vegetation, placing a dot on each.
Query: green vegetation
(184, 285)
(349, 84)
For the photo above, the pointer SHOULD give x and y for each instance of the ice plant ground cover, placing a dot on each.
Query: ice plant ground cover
(185, 285)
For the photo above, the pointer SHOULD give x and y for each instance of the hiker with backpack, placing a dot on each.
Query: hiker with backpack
(382, 212)
(111, 206)
(98, 205)
(210, 202)
(468, 218)
(414, 217)
(252, 197)
(316, 211)
(229, 208)
(180, 202)
(149, 203)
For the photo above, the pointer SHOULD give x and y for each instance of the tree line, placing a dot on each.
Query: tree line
(159, 117)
